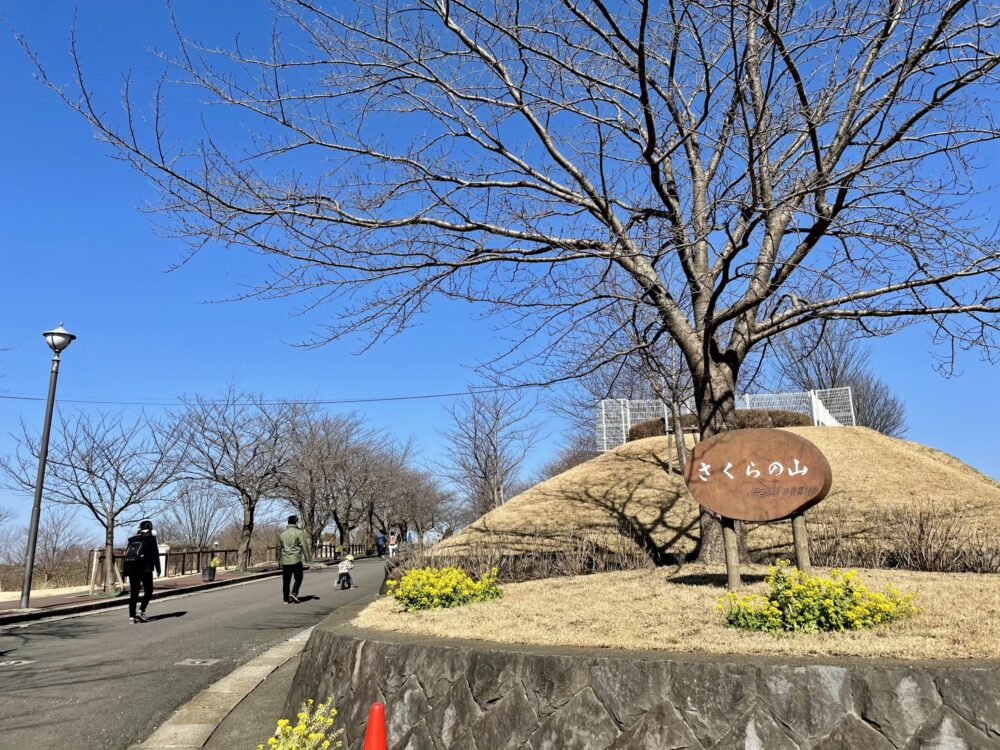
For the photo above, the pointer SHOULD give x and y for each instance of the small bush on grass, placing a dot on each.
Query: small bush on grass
(313, 730)
(799, 602)
(431, 588)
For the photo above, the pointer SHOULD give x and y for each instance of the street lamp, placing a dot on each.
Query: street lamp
(57, 339)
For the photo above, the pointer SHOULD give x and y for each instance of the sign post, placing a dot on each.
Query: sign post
(758, 476)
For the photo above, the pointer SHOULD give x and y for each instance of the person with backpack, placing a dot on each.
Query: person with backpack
(142, 557)
(293, 551)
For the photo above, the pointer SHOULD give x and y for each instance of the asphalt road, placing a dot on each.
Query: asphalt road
(98, 682)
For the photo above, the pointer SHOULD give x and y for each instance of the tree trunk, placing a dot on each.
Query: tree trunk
(109, 554)
(342, 532)
(715, 400)
(246, 533)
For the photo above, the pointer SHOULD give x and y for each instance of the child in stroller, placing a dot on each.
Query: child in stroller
(344, 579)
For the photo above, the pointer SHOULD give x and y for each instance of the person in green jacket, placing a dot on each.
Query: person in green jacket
(293, 551)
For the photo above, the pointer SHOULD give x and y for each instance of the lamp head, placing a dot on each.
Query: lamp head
(58, 338)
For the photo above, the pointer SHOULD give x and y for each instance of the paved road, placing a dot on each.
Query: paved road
(98, 682)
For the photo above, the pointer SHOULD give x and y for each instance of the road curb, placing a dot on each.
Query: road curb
(193, 724)
(122, 601)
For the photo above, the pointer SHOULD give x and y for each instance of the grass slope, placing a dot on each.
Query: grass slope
(650, 610)
(628, 498)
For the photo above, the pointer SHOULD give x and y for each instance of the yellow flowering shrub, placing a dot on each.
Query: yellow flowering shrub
(313, 730)
(429, 588)
(800, 602)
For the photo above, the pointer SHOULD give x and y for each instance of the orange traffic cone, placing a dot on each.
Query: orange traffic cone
(375, 733)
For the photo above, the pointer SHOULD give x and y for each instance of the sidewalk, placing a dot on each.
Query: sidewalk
(66, 604)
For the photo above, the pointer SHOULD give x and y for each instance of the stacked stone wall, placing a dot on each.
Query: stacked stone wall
(470, 696)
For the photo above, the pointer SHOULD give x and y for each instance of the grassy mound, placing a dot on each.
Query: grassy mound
(632, 499)
(650, 610)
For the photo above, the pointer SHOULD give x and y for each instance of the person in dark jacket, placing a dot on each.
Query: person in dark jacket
(142, 557)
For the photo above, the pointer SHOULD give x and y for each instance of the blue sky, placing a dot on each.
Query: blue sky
(76, 248)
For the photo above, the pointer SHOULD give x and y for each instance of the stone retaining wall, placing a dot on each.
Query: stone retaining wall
(474, 696)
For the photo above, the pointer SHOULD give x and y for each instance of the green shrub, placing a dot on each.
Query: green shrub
(313, 730)
(430, 588)
(799, 602)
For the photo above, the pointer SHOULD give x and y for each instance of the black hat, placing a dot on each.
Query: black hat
(292, 520)
(145, 525)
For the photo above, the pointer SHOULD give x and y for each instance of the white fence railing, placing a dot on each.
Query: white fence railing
(833, 407)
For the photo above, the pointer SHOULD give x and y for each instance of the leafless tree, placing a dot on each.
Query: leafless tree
(315, 479)
(491, 435)
(195, 515)
(824, 356)
(734, 168)
(240, 442)
(62, 544)
(116, 468)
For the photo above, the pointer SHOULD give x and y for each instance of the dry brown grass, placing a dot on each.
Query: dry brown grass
(650, 610)
(628, 498)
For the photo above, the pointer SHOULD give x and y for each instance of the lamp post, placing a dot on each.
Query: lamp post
(57, 339)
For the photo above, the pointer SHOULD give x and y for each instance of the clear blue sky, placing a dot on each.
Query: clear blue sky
(76, 248)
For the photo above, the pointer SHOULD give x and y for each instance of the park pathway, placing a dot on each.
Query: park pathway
(97, 682)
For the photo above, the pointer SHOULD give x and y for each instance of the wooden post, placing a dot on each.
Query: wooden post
(800, 539)
(732, 553)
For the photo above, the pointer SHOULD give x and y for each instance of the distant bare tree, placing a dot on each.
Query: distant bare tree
(62, 544)
(831, 356)
(196, 513)
(876, 406)
(570, 455)
(735, 169)
(240, 442)
(115, 468)
(322, 454)
(490, 436)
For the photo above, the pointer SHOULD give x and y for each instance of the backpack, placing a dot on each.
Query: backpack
(132, 554)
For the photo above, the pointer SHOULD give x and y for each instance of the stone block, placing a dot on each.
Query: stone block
(454, 714)
(580, 724)
(507, 723)
(896, 700)
(949, 731)
(551, 681)
(419, 738)
(808, 700)
(711, 696)
(492, 674)
(662, 728)
(974, 694)
(407, 708)
(853, 733)
(628, 688)
(756, 730)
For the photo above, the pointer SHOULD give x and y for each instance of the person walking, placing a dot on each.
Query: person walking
(393, 543)
(380, 545)
(293, 551)
(142, 557)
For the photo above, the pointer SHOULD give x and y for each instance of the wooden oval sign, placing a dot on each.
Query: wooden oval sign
(757, 475)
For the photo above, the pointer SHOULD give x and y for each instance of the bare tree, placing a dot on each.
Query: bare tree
(62, 545)
(314, 480)
(195, 515)
(115, 468)
(240, 442)
(876, 406)
(734, 168)
(490, 436)
(832, 356)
